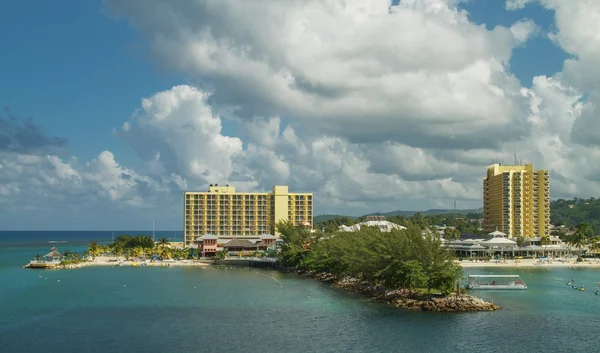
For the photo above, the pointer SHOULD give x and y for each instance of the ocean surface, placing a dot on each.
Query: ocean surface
(159, 309)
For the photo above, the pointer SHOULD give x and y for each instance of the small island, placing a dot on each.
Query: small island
(403, 267)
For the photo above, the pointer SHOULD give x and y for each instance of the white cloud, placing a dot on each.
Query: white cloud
(516, 4)
(420, 71)
(370, 107)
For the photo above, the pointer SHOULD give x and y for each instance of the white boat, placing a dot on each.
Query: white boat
(496, 282)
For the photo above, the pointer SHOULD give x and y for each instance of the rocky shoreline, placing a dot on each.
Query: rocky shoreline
(405, 298)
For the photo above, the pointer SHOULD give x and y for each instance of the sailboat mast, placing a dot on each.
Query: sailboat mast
(153, 230)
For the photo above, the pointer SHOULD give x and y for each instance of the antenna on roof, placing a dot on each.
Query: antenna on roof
(455, 215)
(516, 160)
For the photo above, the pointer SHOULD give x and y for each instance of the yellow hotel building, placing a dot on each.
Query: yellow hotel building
(222, 211)
(516, 200)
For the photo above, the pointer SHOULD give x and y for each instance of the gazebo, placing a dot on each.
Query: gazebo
(498, 243)
(53, 255)
(497, 233)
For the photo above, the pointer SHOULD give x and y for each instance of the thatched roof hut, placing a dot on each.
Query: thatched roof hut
(239, 245)
(53, 254)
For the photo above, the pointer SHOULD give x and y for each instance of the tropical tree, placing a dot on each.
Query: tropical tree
(163, 242)
(221, 254)
(165, 253)
(578, 238)
(118, 250)
(271, 253)
(136, 252)
(544, 241)
(397, 259)
(93, 249)
(452, 234)
(37, 257)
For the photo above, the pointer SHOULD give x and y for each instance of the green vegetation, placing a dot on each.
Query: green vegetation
(568, 213)
(398, 259)
(572, 213)
(463, 224)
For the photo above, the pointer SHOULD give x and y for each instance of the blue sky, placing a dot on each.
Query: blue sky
(78, 72)
(80, 69)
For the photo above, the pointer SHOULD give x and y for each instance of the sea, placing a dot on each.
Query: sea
(226, 309)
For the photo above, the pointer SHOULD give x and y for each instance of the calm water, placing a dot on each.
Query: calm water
(132, 309)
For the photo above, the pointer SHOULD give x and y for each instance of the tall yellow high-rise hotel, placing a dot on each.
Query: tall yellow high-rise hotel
(516, 200)
(222, 211)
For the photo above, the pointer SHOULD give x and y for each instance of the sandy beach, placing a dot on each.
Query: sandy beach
(112, 261)
(562, 263)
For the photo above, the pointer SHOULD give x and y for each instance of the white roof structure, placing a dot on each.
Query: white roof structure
(384, 226)
(499, 242)
(207, 237)
(497, 233)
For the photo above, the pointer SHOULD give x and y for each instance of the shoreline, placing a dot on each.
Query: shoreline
(531, 263)
(403, 298)
(103, 261)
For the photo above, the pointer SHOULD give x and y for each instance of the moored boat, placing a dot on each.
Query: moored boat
(496, 282)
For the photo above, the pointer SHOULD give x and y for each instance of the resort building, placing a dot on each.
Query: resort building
(372, 221)
(221, 211)
(498, 245)
(516, 200)
(209, 244)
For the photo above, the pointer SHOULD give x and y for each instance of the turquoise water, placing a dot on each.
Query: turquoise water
(134, 309)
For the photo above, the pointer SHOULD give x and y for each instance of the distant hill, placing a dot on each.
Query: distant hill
(576, 211)
(326, 217)
(430, 212)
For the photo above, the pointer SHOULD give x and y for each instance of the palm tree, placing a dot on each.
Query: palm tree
(222, 254)
(136, 252)
(163, 242)
(454, 233)
(93, 249)
(577, 239)
(165, 253)
(545, 240)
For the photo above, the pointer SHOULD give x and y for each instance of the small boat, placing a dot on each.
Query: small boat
(494, 282)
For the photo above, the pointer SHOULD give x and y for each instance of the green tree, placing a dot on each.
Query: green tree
(163, 242)
(400, 258)
(93, 249)
(221, 254)
(545, 241)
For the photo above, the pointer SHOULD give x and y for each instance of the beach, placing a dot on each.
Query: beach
(112, 261)
(555, 263)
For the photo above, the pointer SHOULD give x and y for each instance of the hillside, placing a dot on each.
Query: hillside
(576, 211)
(430, 212)
(326, 217)
(562, 212)
(473, 213)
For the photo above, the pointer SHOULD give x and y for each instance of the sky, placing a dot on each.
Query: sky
(111, 110)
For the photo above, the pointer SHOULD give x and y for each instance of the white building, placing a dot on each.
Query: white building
(372, 221)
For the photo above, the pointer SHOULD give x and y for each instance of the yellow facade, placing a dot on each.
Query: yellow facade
(222, 211)
(516, 200)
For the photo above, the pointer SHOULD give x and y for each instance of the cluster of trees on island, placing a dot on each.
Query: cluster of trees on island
(396, 259)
